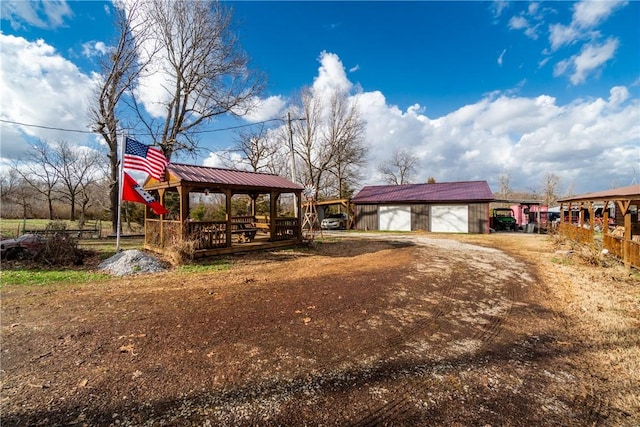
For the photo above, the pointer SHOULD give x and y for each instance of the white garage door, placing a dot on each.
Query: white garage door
(394, 218)
(450, 219)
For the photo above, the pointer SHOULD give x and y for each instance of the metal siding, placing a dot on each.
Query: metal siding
(478, 217)
(419, 217)
(367, 217)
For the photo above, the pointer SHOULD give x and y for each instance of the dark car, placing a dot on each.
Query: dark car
(25, 245)
(334, 222)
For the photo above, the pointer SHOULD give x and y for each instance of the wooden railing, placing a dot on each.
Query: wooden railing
(207, 234)
(627, 250)
(169, 236)
(213, 234)
(576, 233)
(287, 229)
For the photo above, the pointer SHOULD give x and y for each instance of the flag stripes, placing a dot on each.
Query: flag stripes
(144, 158)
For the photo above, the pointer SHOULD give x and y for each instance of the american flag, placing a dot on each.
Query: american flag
(144, 158)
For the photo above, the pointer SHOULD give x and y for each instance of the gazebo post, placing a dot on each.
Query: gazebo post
(299, 214)
(183, 192)
(626, 243)
(161, 197)
(273, 214)
(228, 194)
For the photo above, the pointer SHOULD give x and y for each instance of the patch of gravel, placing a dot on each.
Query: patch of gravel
(131, 262)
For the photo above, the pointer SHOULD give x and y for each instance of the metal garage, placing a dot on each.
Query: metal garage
(446, 207)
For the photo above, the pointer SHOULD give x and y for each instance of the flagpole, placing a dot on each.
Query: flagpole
(120, 182)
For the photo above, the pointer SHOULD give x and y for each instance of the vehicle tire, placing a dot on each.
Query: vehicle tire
(14, 253)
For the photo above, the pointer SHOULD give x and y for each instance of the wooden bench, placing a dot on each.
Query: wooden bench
(244, 231)
(245, 234)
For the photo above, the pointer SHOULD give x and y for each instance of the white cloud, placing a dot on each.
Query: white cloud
(518, 23)
(498, 6)
(588, 61)
(560, 35)
(94, 48)
(527, 137)
(331, 75)
(40, 14)
(40, 87)
(500, 58)
(587, 15)
(354, 69)
(266, 109)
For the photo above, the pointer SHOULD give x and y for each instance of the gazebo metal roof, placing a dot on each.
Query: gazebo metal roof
(630, 192)
(202, 176)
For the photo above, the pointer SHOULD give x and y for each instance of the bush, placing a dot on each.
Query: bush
(183, 251)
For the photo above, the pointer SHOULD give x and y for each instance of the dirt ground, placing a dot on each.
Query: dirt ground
(359, 330)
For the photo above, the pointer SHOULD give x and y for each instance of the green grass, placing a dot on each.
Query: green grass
(13, 227)
(562, 261)
(215, 265)
(47, 277)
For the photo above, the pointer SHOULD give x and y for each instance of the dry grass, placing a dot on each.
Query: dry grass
(598, 298)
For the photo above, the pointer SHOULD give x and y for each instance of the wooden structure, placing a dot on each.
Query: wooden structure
(443, 207)
(579, 221)
(237, 232)
(343, 205)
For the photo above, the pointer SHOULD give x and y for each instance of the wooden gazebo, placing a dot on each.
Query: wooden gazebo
(237, 231)
(581, 216)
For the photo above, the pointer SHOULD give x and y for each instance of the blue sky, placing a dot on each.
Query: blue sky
(474, 89)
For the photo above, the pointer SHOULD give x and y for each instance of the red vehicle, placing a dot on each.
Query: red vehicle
(25, 245)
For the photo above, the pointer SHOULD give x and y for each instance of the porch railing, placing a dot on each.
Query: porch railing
(576, 233)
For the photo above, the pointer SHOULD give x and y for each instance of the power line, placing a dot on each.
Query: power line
(140, 134)
(45, 127)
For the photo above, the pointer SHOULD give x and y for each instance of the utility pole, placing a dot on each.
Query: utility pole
(293, 157)
(293, 164)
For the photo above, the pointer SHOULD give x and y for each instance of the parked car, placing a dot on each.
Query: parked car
(334, 222)
(25, 245)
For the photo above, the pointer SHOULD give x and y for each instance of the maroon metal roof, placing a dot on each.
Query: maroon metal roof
(629, 192)
(466, 191)
(228, 177)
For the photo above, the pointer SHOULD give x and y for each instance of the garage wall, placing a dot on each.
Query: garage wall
(478, 218)
(366, 217)
(419, 217)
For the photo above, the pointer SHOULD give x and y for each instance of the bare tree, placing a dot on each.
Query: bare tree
(400, 169)
(505, 188)
(77, 168)
(256, 147)
(120, 70)
(315, 159)
(551, 189)
(38, 173)
(16, 193)
(205, 71)
(328, 140)
(345, 136)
